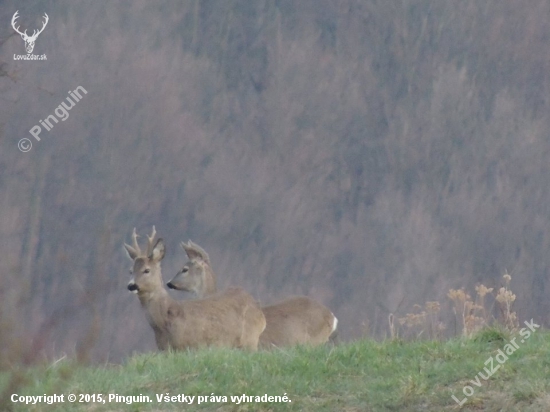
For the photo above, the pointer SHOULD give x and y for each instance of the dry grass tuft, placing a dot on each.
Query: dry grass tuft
(471, 315)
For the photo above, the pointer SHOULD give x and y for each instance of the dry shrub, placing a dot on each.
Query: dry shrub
(471, 315)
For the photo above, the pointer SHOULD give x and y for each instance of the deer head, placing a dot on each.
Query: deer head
(196, 275)
(146, 271)
(29, 40)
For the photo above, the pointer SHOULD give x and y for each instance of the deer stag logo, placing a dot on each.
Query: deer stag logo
(29, 40)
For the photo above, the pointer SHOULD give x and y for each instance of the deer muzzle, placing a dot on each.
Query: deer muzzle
(132, 287)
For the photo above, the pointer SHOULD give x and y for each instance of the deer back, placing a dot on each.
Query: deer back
(231, 318)
(297, 320)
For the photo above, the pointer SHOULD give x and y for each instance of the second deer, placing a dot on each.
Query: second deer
(293, 321)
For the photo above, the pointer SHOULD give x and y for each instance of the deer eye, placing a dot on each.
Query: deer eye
(185, 270)
(146, 271)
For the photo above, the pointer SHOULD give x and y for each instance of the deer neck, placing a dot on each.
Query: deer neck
(209, 285)
(156, 304)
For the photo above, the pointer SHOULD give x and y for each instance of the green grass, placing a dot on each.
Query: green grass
(359, 376)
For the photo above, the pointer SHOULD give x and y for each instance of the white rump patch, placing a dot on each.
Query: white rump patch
(334, 324)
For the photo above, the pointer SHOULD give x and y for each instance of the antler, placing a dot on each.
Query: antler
(15, 17)
(35, 35)
(150, 240)
(135, 243)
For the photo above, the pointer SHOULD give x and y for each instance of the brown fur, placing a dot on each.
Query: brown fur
(296, 320)
(231, 318)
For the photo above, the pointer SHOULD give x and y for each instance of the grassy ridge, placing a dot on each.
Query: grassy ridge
(359, 376)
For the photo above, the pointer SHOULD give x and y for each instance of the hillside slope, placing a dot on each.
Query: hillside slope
(359, 376)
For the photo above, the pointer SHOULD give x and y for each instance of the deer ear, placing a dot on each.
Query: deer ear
(132, 253)
(194, 251)
(158, 251)
(187, 248)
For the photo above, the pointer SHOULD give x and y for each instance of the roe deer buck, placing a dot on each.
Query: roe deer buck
(232, 318)
(296, 320)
